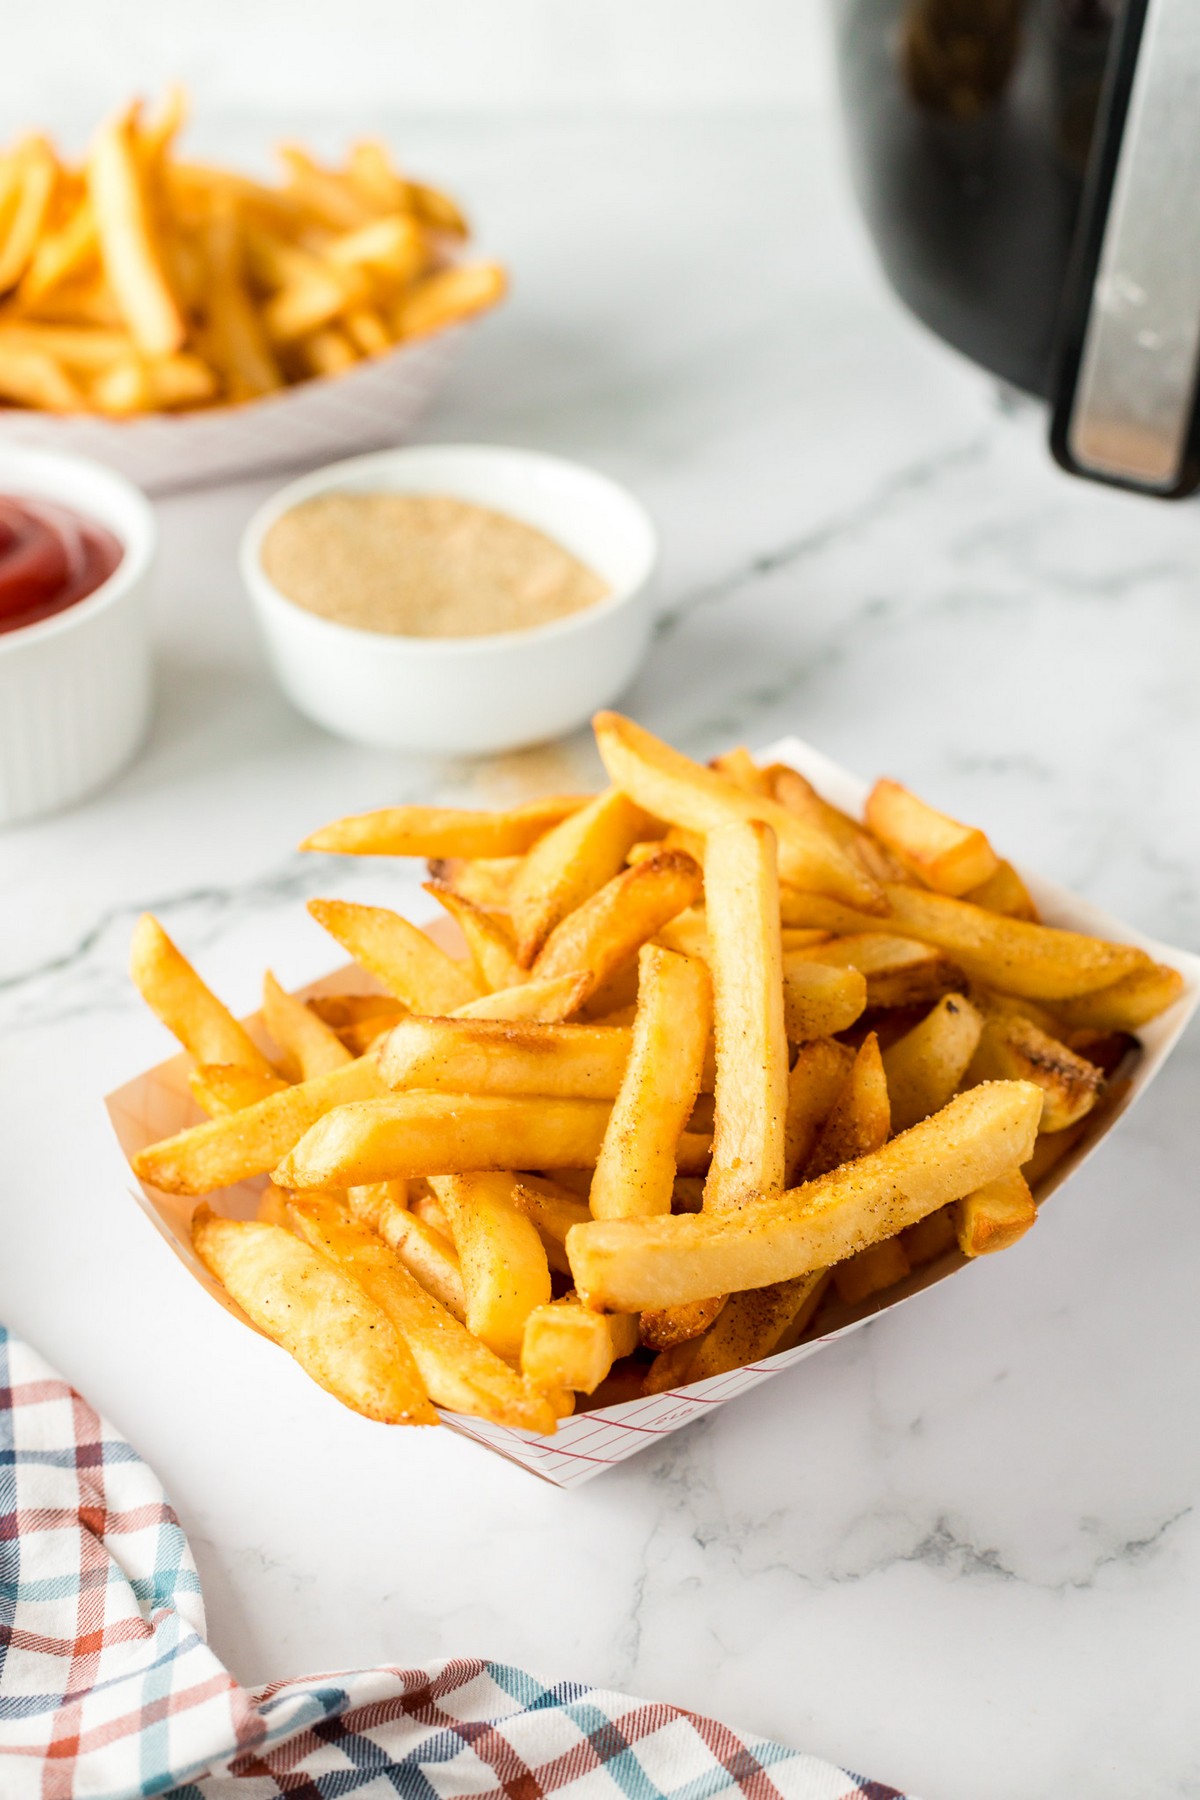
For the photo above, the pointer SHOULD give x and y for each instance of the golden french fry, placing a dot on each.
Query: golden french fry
(500, 1056)
(326, 196)
(132, 260)
(251, 1141)
(668, 785)
(437, 210)
(366, 1204)
(61, 255)
(219, 1088)
(899, 971)
(1004, 892)
(369, 169)
(860, 1118)
(484, 879)
(38, 179)
(327, 351)
(817, 1078)
(459, 1372)
(544, 1002)
(739, 766)
(995, 1215)
(310, 1046)
(441, 831)
(742, 905)
(335, 1331)
(135, 385)
(488, 935)
(793, 791)
(568, 865)
(628, 1265)
(32, 378)
(1012, 1047)
(566, 1345)
(409, 964)
(664, 1327)
(950, 857)
(820, 999)
(427, 1254)
(930, 1237)
(1036, 962)
(447, 297)
(607, 930)
(237, 336)
(172, 989)
(411, 1134)
(341, 1012)
(505, 1274)
(925, 1066)
(395, 246)
(877, 1267)
(1127, 1004)
(635, 1170)
(553, 1209)
(750, 1326)
(83, 348)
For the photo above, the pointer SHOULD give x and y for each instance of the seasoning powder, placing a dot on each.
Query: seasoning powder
(423, 565)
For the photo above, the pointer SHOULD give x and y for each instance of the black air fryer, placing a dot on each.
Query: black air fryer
(1030, 172)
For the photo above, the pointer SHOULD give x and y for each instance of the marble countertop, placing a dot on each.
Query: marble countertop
(959, 1550)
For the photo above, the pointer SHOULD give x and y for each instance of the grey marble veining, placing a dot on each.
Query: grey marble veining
(961, 1550)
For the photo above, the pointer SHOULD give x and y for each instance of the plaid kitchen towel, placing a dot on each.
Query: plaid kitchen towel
(109, 1691)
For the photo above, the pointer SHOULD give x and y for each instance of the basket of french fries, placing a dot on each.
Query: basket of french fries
(188, 323)
(694, 1075)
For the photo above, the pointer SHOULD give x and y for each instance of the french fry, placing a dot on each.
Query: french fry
(566, 1345)
(505, 1274)
(820, 999)
(251, 1141)
(172, 989)
(273, 1208)
(437, 210)
(569, 864)
(1127, 1004)
(447, 297)
(84, 349)
(336, 1332)
(238, 337)
(489, 938)
(426, 1254)
(219, 1088)
(950, 857)
(931, 1237)
(37, 180)
(739, 766)
(411, 1134)
(394, 246)
(309, 1046)
(1004, 892)
(343, 1011)
(874, 1269)
(459, 1372)
(366, 1204)
(817, 1077)
(661, 1077)
(926, 1065)
(486, 879)
(1050, 1149)
(70, 250)
(538, 1002)
(132, 261)
(664, 1327)
(369, 170)
(860, 1118)
(751, 1325)
(607, 930)
(440, 831)
(330, 200)
(32, 378)
(426, 1207)
(327, 350)
(409, 964)
(628, 1265)
(670, 786)
(553, 1209)
(899, 971)
(1012, 1047)
(995, 1215)
(164, 385)
(799, 796)
(500, 1056)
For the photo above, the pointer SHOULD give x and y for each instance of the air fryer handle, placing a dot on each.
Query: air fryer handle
(1125, 393)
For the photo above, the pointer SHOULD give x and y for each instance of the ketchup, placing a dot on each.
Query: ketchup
(50, 557)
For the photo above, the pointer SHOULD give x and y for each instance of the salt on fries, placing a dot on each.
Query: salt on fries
(721, 1065)
(143, 282)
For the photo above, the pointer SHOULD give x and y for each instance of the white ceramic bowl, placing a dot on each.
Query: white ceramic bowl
(469, 696)
(75, 688)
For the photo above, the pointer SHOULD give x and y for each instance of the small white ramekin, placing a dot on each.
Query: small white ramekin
(468, 696)
(75, 688)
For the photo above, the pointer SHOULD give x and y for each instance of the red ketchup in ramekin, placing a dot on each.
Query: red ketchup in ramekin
(50, 558)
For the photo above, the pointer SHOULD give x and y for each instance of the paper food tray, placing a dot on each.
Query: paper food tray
(376, 402)
(157, 1104)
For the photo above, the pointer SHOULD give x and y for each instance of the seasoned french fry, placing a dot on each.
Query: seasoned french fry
(427, 1254)
(1012, 1047)
(930, 1237)
(607, 930)
(339, 1335)
(899, 971)
(664, 1327)
(409, 964)
(59, 256)
(635, 1170)
(82, 348)
(628, 1265)
(566, 1345)
(799, 796)
(925, 1066)
(950, 857)
(447, 297)
(751, 1325)
(238, 337)
(172, 989)
(132, 260)
(485, 879)
(219, 1088)
(440, 831)
(995, 1215)
(310, 1047)
(38, 178)
(505, 1274)
(568, 865)
(342, 1011)
(553, 1208)
(1127, 1004)
(877, 1267)
(817, 1077)
(163, 385)
(739, 766)
(499, 1056)
(489, 938)
(410, 1134)
(860, 1118)
(459, 1372)
(366, 1204)
(670, 786)
(327, 197)
(820, 999)
(251, 1141)
(545, 1002)
(1004, 892)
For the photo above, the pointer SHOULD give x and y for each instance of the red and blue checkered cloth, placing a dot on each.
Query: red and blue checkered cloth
(109, 1691)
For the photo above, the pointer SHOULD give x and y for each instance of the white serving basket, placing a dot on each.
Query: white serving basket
(156, 1104)
(377, 401)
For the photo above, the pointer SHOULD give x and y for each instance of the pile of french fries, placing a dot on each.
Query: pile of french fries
(143, 282)
(719, 1067)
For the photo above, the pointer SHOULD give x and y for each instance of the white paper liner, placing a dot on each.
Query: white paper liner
(157, 1104)
(376, 402)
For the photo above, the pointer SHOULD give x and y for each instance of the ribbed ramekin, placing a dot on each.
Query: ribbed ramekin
(75, 688)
